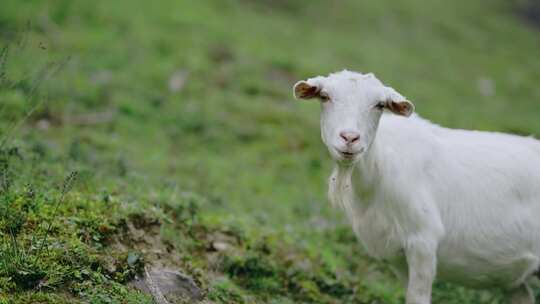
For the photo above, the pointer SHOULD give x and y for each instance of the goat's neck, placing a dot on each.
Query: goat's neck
(352, 186)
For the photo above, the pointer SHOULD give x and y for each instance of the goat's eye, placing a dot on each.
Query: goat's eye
(324, 97)
(380, 105)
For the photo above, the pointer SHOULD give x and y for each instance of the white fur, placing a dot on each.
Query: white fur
(463, 206)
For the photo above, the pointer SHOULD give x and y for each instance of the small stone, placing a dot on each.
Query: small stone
(43, 124)
(132, 259)
(220, 246)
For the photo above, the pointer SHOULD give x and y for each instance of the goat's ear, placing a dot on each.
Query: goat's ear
(403, 108)
(396, 103)
(306, 90)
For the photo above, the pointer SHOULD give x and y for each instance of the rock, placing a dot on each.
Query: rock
(43, 124)
(168, 286)
(220, 246)
(486, 87)
(178, 80)
(220, 241)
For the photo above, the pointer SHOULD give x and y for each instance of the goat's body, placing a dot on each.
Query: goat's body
(476, 193)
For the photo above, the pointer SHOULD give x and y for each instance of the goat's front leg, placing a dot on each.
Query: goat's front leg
(522, 295)
(421, 252)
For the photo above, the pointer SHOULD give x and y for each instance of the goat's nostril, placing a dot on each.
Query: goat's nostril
(350, 137)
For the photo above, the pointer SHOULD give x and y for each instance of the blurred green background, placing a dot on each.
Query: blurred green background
(178, 116)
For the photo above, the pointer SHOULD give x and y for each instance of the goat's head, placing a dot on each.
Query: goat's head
(352, 105)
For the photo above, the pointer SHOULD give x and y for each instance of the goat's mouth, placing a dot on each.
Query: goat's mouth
(348, 155)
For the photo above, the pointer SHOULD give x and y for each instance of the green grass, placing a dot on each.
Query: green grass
(85, 87)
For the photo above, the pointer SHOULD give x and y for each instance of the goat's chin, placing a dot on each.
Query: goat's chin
(347, 160)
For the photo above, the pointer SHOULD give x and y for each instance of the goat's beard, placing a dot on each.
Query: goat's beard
(340, 190)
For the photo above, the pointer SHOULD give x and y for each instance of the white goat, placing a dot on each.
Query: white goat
(460, 205)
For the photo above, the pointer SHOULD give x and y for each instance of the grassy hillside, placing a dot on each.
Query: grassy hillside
(137, 132)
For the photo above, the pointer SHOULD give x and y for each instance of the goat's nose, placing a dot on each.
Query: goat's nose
(349, 137)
